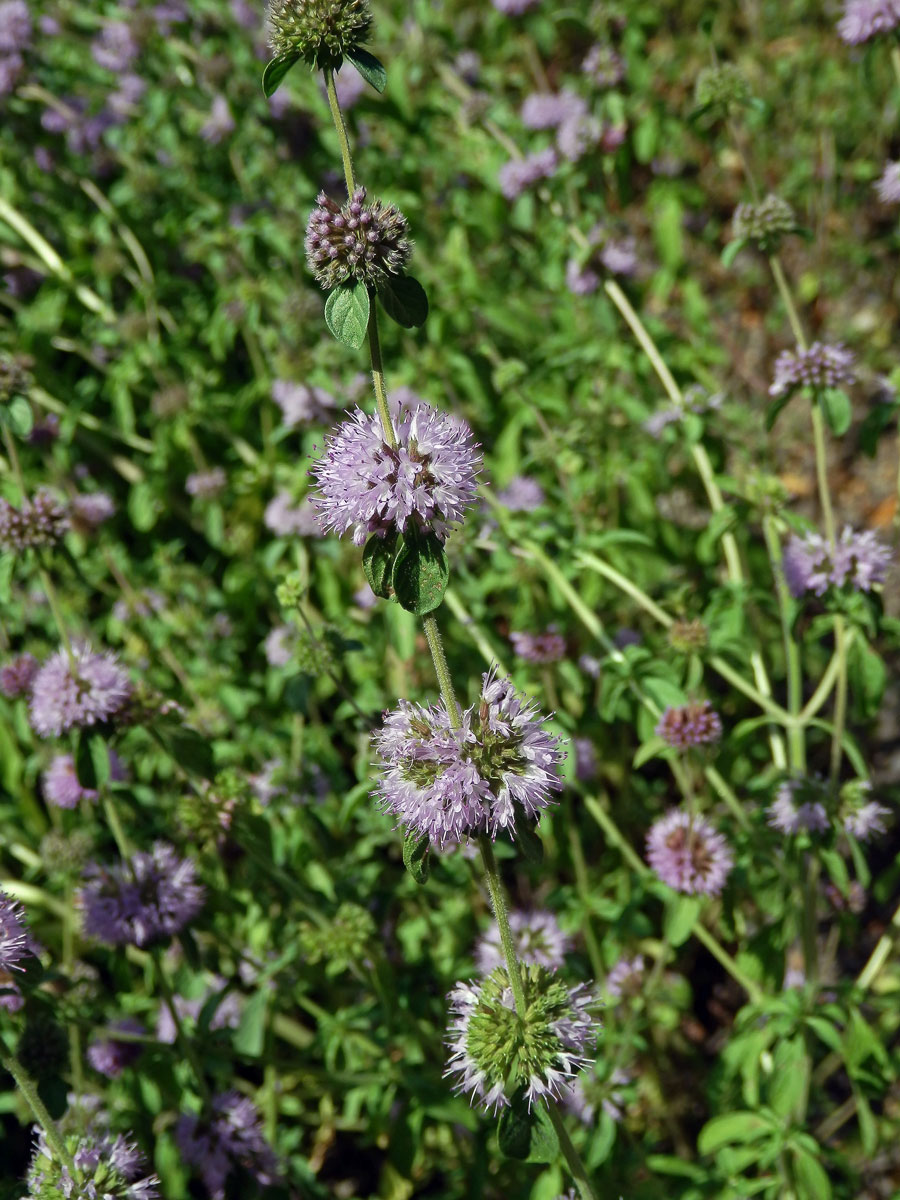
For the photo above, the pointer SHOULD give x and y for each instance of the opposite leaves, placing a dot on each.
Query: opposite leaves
(347, 313)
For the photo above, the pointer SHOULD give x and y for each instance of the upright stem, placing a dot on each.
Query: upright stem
(787, 300)
(341, 129)
(498, 903)
(28, 1088)
(184, 1042)
(436, 646)
(570, 1154)
(818, 424)
(796, 741)
(378, 377)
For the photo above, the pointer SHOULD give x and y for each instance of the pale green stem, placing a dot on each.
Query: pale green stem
(787, 300)
(378, 376)
(498, 903)
(818, 424)
(68, 957)
(895, 61)
(840, 700)
(28, 1088)
(570, 1154)
(436, 646)
(184, 1042)
(796, 741)
(624, 584)
(53, 601)
(826, 683)
(809, 923)
(727, 794)
(880, 954)
(341, 130)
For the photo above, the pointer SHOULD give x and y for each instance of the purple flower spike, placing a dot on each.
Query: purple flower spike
(797, 807)
(688, 855)
(694, 724)
(454, 783)
(821, 366)
(146, 901)
(548, 110)
(232, 1137)
(521, 173)
(427, 480)
(97, 691)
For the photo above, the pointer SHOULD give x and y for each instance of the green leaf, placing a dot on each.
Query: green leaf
(100, 758)
(250, 1035)
(7, 565)
(143, 508)
(378, 562)
(190, 750)
(403, 299)
(55, 1094)
(774, 410)
(415, 856)
(837, 409)
(731, 251)
(810, 1177)
(85, 770)
(680, 918)
(276, 69)
(730, 1128)
(649, 749)
(371, 68)
(530, 842)
(527, 1135)
(421, 573)
(347, 313)
(667, 1164)
(17, 417)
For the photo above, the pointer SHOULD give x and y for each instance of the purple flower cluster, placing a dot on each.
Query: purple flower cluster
(519, 174)
(606, 252)
(366, 242)
(427, 480)
(87, 690)
(16, 676)
(115, 47)
(859, 560)
(220, 122)
(693, 724)
(89, 510)
(60, 780)
(301, 403)
(513, 8)
(106, 1168)
(536, 936)
(15, 37)
(798, 806)
(549, 110)
(521, 494)
(141, 902)
(688, 854)
(888, 185)
(820, 366)
(545, 647)
(110, 1056)
(452, 783)
(227, 1014)
(604, 66)
(625, 977)
(15, 940)
(280, 644)
(230, 1138)
(287, 518)
(866, 19)
(41, 521)
(206, 484)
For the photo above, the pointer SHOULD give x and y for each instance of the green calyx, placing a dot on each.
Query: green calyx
(515, 1048)
(322, 32)
(94, 1175)
(494, 755)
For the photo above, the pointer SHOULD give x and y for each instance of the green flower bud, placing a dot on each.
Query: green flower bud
(720, 90)
(322, 32)
(344, 941)
(765, 224)
(688, 637)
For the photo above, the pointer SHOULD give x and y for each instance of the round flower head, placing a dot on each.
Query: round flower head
(95, 692)
(694, 724)
(860, 816)
(539, 647)
(427, 480)
(301, 403)
(15, 26)
(798, 806)
(230, 1139)
(519, 174)
(888, 185)
(548, 110)
(866, 19)
(810, 564)
(495, 1053)
(16, 676)
(603, 66)
(357, 241)
(537, 938)
(110, 1056)
(521, 494)
(625, 977)
(206, 484)
(41, 521)
(688, 855)
(722, 89)
(455, 783)
(105, 1168)
(145, 901)
(15, 940)
(321, 31)
(821, 366)
(60, 781)
(764, 223)
(90, 510)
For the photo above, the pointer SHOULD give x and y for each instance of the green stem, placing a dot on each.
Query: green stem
(436, 646)
(498, 903)
(840, 700)
(341, 129)
(826, 683)
(787, 300)
(378, 376)
(718, 951)
(818, 424)
(895, 61)
(570, 1154)
(796, 741)
(28, 1088)
(184, 1042)
(808, 916)
(583, 888)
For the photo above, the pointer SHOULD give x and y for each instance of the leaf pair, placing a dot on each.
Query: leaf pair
(349, 304)
(415, 576)
(371, 69)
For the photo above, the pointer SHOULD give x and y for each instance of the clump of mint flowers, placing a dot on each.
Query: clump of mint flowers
(105, 1168)
(693, 724)
(820, 366)
(142, 902)
(688, 854)
(427, 480)
(356, 241)
(858, 560)
(497, 764)
(496, 1052)
(77, 689)
(322, 32)
(40, 522)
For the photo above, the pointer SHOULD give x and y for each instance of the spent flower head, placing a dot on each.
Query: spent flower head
(143, 901)
(688, 854)
(765, 222)
(822, 365)
(497, 1053)
(536, 936)
(356, 241)
(427, 480)
(449, 783)
(692, 724)
(322, 32)
(688, 637)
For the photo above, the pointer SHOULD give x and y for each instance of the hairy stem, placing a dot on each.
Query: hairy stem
(571, 1155)
(378, 376)
(28, 1088)
(498, 903)
(341, 130)
(796, 742)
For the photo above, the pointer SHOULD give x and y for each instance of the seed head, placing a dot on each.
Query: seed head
(365, 242)
(41, 521)
(321, 31)
(688, 637)
(765, 223)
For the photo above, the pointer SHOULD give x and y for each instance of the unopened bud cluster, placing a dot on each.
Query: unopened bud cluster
(322, 32)
(688, 637)
(764, 223)
(356, 241)
(41, 521)
(720, 90)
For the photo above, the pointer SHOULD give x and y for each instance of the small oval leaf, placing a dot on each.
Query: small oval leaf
(837, 409)
(530, 841)
(18, 417)
(403, 299)
(276, 70)
(371, 68)
(347, 313)
(415, 856)
(527, 1134)
(378, 562)
(420, 575)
